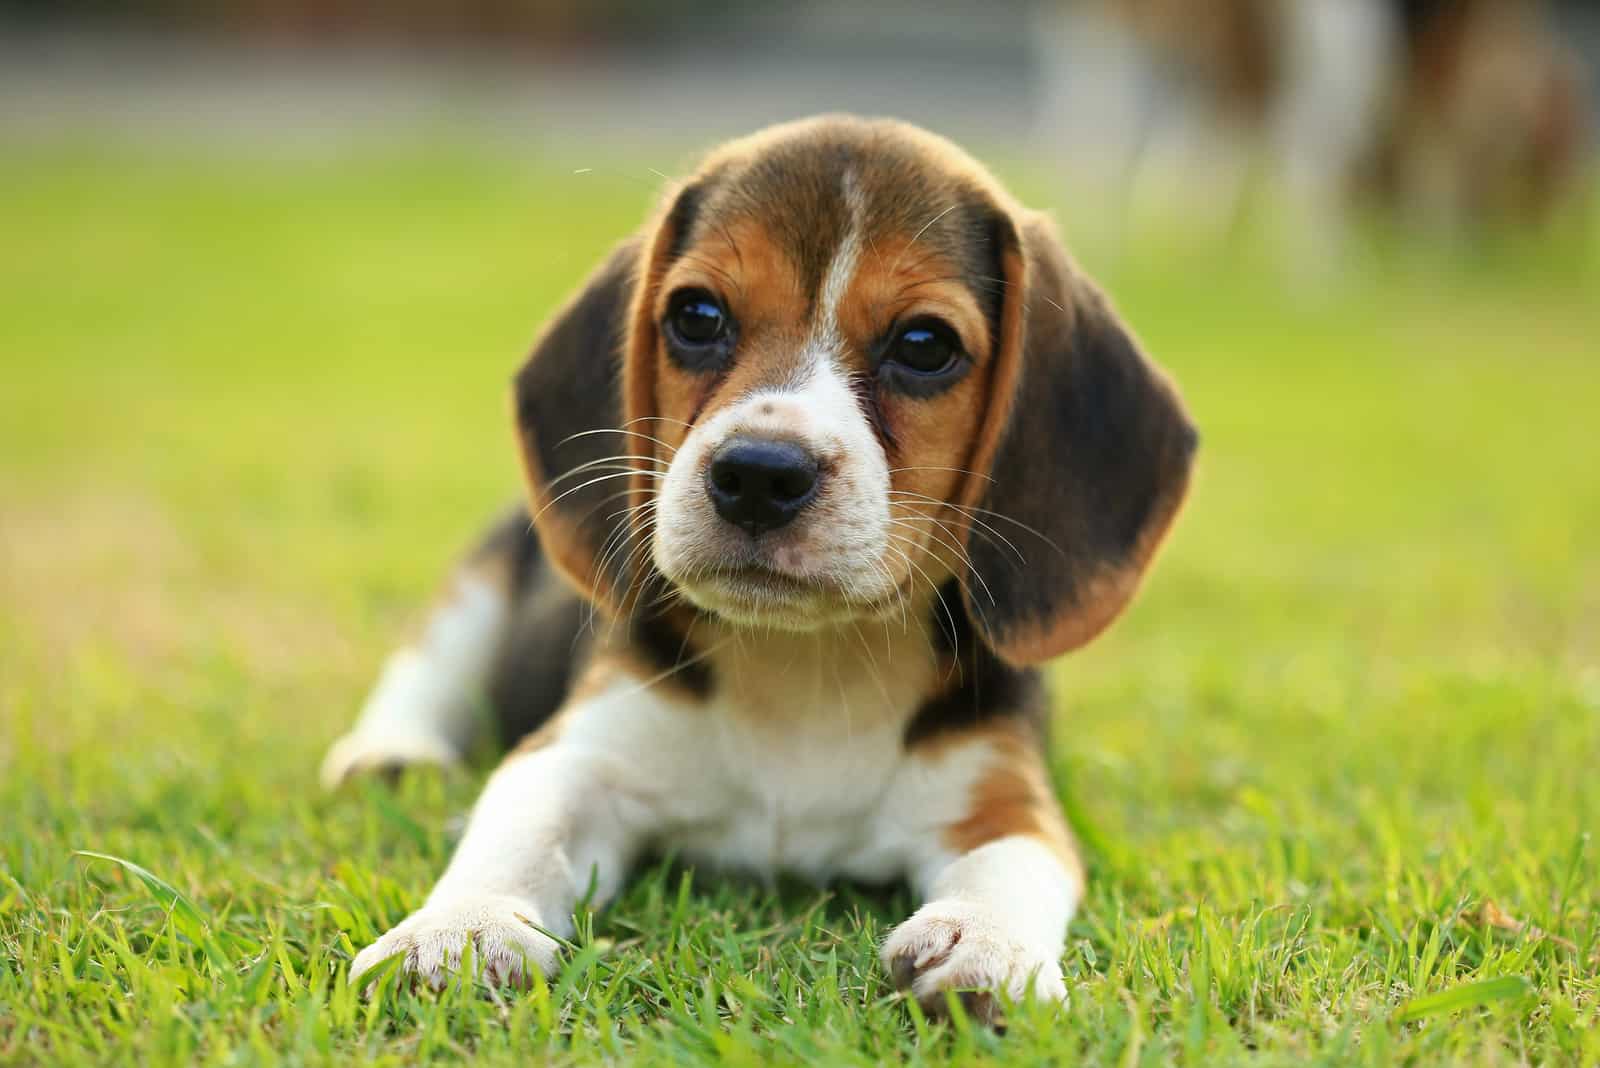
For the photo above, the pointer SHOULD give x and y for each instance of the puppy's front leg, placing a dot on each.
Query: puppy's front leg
(544, 826)
(426, 705)
(1000, 886)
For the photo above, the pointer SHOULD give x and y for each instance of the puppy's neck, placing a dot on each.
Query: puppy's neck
(869, 671)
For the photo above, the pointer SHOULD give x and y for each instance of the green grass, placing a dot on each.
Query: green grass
(247, 412)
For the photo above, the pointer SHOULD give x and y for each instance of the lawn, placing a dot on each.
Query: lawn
(1336, 771)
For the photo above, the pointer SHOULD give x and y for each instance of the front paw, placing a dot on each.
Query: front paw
(370, 752)
(430, 942)
(416, 714)
(960, 946)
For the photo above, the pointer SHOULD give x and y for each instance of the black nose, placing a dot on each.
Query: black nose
(759, 484)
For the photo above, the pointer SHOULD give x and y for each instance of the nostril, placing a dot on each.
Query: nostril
(793, 484)
(725, 479)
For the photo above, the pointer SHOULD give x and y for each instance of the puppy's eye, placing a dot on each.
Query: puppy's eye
(696, 319)
(924, 347)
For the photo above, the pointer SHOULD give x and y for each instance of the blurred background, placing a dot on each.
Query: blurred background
(266, 267)
(1444, 113)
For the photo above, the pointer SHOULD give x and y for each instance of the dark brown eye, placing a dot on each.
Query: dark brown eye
(924, 347)
(696, 319)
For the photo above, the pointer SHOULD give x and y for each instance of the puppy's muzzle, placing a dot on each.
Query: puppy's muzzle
(761, 484)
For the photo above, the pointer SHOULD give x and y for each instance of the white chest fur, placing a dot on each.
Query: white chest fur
(796, 762)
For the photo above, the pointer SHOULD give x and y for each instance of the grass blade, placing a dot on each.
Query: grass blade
(186, 918)
(1465, 996)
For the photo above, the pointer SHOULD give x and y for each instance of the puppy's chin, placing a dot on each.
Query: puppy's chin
(757, 609)
(757, 595)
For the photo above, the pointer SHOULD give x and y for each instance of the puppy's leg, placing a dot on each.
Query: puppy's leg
(428, 704)
(552, 821)
(567, 811)
(1000, 884)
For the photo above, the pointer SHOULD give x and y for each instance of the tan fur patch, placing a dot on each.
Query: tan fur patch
(743, 265)
(933, 437)
(1015, 798)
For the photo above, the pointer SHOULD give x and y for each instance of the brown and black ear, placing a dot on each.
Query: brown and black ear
(567, 397)
(585, 409)
(1089, 467)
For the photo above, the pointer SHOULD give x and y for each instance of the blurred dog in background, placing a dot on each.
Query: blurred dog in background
(1485, 119)
(1458, 115)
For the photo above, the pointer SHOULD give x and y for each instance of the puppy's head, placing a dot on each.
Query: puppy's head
(840, 370)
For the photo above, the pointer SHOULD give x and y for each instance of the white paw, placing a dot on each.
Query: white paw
(365, 752)
(505, 944)
(961, 946)
(420, 712)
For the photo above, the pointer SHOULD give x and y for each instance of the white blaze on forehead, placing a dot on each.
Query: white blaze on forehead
(826, 342)
(842, 537)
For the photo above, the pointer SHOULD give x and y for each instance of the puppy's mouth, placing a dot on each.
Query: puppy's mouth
(758, 589)
(769, 580)
(760, 593)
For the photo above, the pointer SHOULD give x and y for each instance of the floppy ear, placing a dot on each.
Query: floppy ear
(582, 400)
(566, 396)
(1088, 455)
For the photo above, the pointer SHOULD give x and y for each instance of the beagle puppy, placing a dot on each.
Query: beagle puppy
(821, 464)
